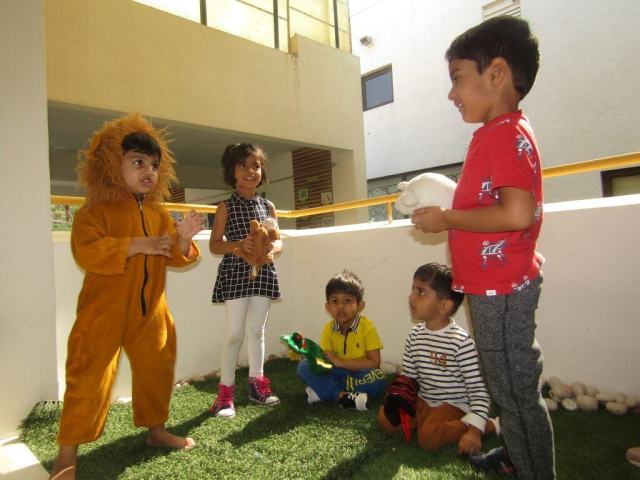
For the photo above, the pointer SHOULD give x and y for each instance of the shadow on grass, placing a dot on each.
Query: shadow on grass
(110, 460)
(319, 441)
(388, 456)
(282, 418)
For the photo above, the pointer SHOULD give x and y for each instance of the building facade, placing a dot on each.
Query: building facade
(583, 105)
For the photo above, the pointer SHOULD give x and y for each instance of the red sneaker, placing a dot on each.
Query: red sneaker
(260, 392)
(223, 405)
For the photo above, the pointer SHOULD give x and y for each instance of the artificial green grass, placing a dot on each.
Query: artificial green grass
(321, 441)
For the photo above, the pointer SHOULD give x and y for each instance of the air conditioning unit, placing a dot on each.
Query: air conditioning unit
(366, 40)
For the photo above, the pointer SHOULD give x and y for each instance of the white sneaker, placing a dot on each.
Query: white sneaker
(312, 396)
(357, 400)
(496, 424)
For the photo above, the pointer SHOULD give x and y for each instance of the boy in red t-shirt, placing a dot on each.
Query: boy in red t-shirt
(493, 226)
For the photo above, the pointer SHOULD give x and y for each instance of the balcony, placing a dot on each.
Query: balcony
(587, 318)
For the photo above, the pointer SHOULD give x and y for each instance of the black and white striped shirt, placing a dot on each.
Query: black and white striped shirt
(445, 364)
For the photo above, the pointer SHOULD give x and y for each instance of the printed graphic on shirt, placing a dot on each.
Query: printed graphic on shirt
(493, 253)
(525, 149)
(438, 358)
(487, 194)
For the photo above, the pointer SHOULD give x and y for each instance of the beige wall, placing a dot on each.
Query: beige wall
(587, 321)
(123, 56)
(27, 318)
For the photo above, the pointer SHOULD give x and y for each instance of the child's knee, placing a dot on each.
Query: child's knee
(384, 423)
(234, 339)
(255, 332)
(430, 436)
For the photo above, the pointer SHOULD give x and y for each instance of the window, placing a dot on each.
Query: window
(501, 7)
(377, 88)
(625, 181)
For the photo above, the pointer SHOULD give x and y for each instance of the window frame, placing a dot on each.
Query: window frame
(498, 8)
(370, 76)
(607, 177)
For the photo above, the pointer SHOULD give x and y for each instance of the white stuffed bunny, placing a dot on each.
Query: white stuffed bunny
(427, 189)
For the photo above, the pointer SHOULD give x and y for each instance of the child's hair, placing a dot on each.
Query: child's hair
(438, 276)
(507, 37)
(99, 166)
(238, 153)
(347, 283)
(142, 143)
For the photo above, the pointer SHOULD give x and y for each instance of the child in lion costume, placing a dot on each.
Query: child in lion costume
(124, 239)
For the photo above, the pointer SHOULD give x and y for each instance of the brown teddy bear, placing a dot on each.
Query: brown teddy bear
(262, 235)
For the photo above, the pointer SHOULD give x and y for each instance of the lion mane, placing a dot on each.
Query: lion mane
(99, 165)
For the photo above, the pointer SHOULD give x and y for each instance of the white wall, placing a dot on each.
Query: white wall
(587, 321)
(27, 317)
(584, 103)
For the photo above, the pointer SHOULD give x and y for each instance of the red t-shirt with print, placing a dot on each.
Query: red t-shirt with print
(502, 153)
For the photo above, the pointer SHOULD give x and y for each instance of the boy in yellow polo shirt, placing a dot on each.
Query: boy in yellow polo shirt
(351, 343)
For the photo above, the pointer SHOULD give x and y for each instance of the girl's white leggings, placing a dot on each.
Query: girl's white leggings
(248, 313)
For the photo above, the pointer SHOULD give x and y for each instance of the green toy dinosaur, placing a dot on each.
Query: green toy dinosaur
(306, 347)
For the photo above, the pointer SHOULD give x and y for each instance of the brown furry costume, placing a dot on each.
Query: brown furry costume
(122, 302)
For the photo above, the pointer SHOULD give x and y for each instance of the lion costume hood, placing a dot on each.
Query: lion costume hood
(99, 165)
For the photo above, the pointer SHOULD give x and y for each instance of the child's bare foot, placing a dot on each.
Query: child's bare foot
(160, 437)
(66, 473)
(64, 467)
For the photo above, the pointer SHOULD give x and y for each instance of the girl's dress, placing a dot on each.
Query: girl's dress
(233, 272)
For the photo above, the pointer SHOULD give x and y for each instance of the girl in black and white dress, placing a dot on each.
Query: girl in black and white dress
(247, 300)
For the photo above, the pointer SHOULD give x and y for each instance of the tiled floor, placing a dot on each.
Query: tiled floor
(18, 463)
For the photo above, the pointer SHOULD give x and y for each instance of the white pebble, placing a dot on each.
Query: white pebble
(619, 397)
(578, 388)
(587, 403)
(569, 404)
(562, 391)
(617, 408)
(592, 390)
(605, 397)
(553, 381)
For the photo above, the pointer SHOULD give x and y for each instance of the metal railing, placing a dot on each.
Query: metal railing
(549, 172)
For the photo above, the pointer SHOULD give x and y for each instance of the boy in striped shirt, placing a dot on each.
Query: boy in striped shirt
(441, 386)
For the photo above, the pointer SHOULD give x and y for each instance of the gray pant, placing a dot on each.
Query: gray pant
(511, 362)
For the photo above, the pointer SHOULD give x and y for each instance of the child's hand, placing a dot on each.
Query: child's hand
(333, 358)
(269, 251)
(158, 245)
(430, 219)
(470, 441)
(247, 245)
(189, 225)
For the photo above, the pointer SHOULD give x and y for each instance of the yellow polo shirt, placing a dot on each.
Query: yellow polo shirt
(360, 338)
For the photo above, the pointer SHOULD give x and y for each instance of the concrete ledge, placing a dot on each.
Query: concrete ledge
(17, 462)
